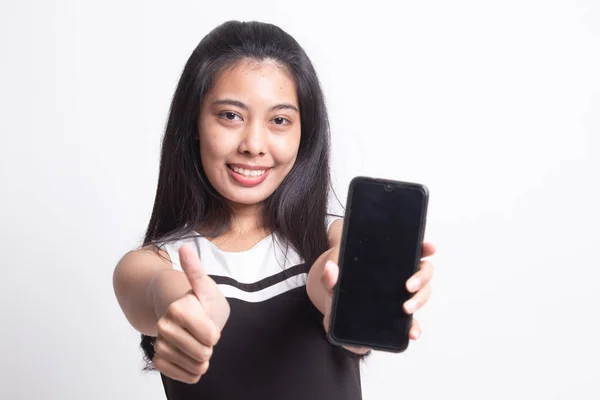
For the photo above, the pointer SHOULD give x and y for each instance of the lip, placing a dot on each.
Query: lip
(250, 167)
(251, 180)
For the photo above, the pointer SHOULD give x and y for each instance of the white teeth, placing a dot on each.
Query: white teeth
(248, 172)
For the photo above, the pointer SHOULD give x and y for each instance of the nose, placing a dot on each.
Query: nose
(255, 139)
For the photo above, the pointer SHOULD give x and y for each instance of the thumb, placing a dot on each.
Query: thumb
(330, 275)
(192, 267)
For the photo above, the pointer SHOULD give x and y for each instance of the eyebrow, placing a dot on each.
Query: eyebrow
(236, 103)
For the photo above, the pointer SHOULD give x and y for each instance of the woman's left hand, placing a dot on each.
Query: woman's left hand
(419, 285)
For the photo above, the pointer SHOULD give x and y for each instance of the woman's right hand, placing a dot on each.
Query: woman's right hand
(191, 325)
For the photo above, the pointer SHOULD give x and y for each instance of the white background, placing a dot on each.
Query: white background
(495, 105)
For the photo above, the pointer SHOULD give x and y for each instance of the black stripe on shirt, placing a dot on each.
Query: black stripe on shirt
(263, 283)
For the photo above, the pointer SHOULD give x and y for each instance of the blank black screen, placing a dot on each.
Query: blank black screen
(381, 248)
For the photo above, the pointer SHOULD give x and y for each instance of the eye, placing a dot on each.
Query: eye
(281, 121)
(230, 116)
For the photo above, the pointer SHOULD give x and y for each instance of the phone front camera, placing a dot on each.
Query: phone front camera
(388, 188)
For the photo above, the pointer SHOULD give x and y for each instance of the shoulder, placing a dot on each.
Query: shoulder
(147, 255)
(161, 254)
(136, 266)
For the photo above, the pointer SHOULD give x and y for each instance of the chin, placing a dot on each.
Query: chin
(248, 199)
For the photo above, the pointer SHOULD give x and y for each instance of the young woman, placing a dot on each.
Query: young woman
(232, 288)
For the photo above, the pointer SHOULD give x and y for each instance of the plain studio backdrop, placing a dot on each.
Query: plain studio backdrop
(494, 105)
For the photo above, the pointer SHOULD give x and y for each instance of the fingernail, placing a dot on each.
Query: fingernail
(410, 306)
(329, 264)
(413, 284)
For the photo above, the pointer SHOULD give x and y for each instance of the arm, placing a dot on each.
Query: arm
(185, 311)
(145, 285)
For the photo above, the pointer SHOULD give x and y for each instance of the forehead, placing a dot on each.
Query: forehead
(252, 81)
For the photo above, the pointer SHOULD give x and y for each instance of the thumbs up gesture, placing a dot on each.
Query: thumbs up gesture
(191, 325)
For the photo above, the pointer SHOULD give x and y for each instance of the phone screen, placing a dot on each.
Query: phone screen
(380, 251)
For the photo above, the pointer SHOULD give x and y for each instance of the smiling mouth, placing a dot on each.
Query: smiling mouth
(248, 173)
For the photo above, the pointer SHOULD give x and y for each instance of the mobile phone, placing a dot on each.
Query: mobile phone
(380, 250)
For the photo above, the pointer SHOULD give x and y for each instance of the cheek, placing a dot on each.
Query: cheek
(213, 145)
(285, 149)
(208, 146)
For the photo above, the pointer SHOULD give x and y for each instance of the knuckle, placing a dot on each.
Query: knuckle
(217, 336)
(206, 353)
(162, 325)
(176, 310)
(158, 363)
(159, 347)
(213, 336)
(204, 367)
(198, 369)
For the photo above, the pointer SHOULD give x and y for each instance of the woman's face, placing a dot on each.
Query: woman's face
(249, 131)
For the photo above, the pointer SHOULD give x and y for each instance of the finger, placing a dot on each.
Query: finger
(195, 321)
(421, 278)
(427, 249)
(202, 328)
(198, 349)
(330, 275)
(173, 371)
(176, 357)
(191, 266)
(415, 330)
(418, 300)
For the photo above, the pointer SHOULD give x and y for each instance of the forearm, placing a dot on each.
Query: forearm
(145, 284)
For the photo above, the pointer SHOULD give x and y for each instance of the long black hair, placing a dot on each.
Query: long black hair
(185, 199)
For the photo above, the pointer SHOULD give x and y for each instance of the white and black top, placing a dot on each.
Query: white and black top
(273, 345)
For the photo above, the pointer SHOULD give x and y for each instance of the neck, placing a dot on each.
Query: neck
(246, 218)
(247, 229)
